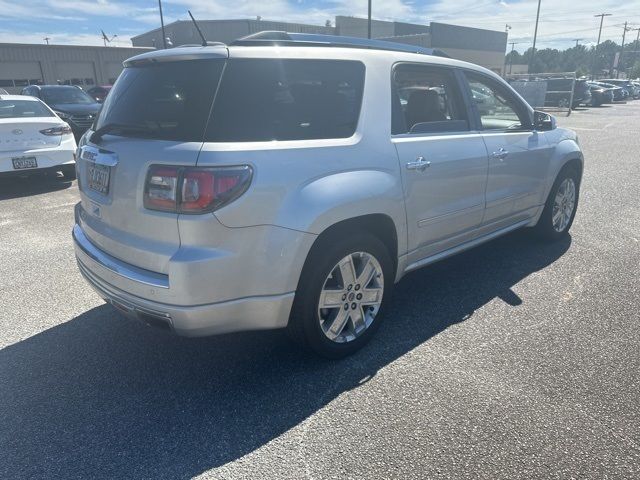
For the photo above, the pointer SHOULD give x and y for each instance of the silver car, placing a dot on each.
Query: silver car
(271, 185)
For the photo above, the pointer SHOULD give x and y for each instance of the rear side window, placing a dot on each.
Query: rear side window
(167, 100)
(426, 100)
(275, 99)
(23, 109)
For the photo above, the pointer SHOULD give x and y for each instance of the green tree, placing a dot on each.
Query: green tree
(581, 59)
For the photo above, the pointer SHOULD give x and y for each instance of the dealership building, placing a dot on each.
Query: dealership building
(27, 64)
(483, 47)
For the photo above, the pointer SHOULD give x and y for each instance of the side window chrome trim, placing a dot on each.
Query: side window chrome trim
(418, 136)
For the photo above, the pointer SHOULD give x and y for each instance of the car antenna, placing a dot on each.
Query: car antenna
(204, 40)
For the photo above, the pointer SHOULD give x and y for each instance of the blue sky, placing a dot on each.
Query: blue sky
(80, 21)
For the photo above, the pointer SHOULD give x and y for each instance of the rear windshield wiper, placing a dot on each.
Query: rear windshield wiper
(110, 127)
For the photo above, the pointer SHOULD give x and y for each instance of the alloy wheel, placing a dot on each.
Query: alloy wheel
(351, 297)
(563, 205)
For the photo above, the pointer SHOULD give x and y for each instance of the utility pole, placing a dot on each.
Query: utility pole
(164, 37)
(46, 39)
(620, 64)
(513, 44)
(535, 36)
(577, 40)
(595, 61)
(369, 22)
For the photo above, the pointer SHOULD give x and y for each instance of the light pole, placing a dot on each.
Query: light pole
(164, 37)
(369, 21)
(595, 54)
(507, 27)
(535, 36)
(637, 49)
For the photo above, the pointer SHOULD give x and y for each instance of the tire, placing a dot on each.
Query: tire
(552, 228)
(69, 172)
(310, 326)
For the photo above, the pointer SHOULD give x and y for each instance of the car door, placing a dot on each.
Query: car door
(518, 155)
(444, 164)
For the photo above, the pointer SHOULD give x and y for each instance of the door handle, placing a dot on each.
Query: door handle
(420, 164)
(501, 154)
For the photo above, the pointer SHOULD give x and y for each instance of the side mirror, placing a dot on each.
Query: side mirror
(543, 121)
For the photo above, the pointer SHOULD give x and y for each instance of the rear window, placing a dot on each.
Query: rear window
(23, 109)
(171, 100)
(275, 99)
(69, 95)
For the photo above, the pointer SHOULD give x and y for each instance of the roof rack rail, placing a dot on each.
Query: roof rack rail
(319, 40)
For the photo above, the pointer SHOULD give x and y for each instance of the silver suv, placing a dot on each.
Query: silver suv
(270, 184)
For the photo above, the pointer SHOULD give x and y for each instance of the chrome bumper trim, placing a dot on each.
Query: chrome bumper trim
(116, 266)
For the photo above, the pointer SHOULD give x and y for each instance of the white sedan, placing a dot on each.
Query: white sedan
(33, 138)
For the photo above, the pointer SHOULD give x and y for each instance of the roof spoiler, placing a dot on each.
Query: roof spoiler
(319, 40)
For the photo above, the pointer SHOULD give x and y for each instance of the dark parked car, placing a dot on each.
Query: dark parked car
(619, 93)
(599, 94)
(581, 93)
(99, 93)
(72, 104)
(632, 90)
(558, 92)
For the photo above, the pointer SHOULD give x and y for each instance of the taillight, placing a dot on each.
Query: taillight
(61, 130)
(194, 189)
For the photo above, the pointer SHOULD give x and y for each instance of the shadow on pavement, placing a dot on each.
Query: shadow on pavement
(102, 397)
(16, 186)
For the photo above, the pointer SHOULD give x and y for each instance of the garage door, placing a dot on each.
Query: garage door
(75, 73)
(113, 69)
(14, 76)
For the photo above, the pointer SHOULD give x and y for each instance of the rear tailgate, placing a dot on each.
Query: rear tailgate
(168, 101)
(115, 219)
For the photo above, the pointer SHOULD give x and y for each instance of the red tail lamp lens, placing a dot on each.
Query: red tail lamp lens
(206, 189)
(193, 189)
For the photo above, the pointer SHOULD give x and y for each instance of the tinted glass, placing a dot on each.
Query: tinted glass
(171, 100)
(497, 108)
(429, 101)
(23, 109)
(273, 99)
(71, 95)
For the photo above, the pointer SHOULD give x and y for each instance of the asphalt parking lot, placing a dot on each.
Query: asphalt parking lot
(514, 360)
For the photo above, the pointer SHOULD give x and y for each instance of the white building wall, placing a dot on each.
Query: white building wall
(47, 64)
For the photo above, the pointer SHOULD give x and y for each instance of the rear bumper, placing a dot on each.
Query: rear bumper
(248, 313)
(48, 159)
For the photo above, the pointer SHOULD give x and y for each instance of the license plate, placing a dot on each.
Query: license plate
(98, 178)
(24, 162)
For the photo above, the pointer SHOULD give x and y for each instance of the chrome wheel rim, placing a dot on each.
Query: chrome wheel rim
(563, 205)
(351, 297)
